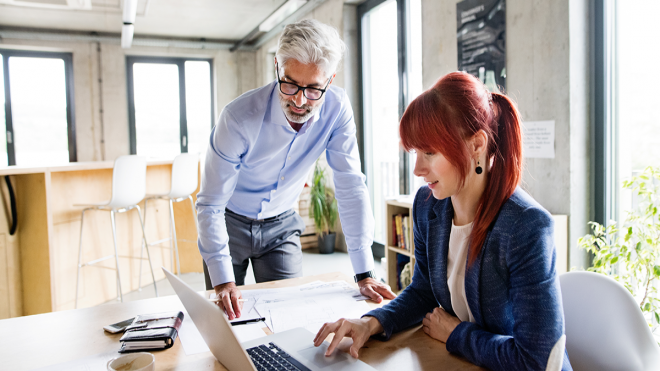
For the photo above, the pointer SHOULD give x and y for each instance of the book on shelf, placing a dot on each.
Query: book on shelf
(401, 232)
(406, 232)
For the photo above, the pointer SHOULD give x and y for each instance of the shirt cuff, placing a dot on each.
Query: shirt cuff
(362, 260)
(221, 271)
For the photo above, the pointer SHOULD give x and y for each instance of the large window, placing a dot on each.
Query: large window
(627, 123)
(37, 114)
(390, 42)
(170, 105)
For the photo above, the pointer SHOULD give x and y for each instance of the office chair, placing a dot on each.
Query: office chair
(184, 183)
(129, 177)
(605, 329)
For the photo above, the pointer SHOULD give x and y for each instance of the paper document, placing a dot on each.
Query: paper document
(247, 311)
(310, 305)
(191, 340)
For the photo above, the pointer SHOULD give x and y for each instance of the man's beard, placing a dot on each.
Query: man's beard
(296, 117)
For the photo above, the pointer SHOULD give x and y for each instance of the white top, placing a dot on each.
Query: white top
(456, 262)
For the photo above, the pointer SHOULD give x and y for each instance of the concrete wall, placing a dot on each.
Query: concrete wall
(547, 58)
(234, 74)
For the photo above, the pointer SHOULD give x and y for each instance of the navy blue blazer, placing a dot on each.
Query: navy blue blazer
(512, 288)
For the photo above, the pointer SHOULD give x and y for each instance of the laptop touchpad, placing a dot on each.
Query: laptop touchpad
(317, 356)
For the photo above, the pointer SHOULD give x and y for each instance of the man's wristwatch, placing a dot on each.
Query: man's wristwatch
(360, 276)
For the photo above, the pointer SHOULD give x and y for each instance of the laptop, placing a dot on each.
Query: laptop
(288, 350)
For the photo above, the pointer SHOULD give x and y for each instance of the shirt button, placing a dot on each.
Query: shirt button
(282, 178)
(274, 190)
(289, 157)
(259, 216)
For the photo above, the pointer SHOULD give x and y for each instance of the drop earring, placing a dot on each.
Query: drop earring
(479, 170)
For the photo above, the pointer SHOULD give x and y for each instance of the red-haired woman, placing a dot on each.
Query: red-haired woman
(484, 281)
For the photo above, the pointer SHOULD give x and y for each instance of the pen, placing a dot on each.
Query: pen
(247, 321)
(216, 299)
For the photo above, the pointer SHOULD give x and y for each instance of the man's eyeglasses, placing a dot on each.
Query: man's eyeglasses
(310, 93)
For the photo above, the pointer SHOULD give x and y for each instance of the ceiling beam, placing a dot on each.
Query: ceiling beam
(24, 33)
(262, 39)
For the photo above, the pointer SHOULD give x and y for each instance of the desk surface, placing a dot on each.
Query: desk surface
(51, 339)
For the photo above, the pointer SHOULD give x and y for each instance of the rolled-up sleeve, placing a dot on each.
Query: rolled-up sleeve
(222, 165)
(351, 191)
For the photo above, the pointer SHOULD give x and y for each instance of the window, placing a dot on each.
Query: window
(170, 105)
(627, 124)
(390, 43)
(37, 114)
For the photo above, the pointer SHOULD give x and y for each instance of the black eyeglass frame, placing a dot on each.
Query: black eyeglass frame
(303, 88)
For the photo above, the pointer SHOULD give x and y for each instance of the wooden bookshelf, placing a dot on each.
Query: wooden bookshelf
(393, 207)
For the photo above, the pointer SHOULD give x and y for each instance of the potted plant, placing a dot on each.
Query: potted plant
(323, 208)
(631, 254)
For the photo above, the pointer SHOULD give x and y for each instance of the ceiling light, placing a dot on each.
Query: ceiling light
(130, 10)
(127, 35)
(282, 13)
(127, 29)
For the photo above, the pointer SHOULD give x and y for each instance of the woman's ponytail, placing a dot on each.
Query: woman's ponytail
(505, 172)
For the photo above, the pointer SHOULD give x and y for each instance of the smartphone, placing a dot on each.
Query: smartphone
(119, 326)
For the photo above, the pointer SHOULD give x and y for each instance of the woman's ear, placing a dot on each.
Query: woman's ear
(479, 143)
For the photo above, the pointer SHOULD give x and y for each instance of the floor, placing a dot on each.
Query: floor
(313, 263)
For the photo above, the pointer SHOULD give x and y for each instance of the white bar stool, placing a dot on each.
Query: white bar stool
(184, 183)
(129, 176)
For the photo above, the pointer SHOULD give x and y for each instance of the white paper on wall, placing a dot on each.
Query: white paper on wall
(539, 139)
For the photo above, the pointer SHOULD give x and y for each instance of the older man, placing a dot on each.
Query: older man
(261, 150)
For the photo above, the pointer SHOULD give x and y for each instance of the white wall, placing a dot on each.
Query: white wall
(234, 74)
(547, 60)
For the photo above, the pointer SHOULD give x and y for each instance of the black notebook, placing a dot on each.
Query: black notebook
(151, 332)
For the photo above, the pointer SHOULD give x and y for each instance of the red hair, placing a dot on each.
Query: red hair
(444, 117)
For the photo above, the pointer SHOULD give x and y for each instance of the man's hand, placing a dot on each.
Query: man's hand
(358, 329)
(229, 295)
(439, 324)
(375, 290)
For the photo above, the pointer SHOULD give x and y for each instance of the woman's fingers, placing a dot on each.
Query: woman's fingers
(324, 332)
(343, 330)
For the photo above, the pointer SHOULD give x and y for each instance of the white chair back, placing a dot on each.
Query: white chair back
(605, 329)
(129, 181)
(184, 175)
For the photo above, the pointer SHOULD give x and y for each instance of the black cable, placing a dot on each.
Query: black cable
(12, 199)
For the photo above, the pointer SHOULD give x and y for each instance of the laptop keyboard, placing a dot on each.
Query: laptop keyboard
(271, 358)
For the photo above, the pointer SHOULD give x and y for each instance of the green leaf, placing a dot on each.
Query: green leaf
(656, 270)
(657, 317)
(647, 307)
(613, 261)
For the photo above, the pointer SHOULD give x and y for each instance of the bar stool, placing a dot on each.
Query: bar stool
(129, 177)
(184, 183)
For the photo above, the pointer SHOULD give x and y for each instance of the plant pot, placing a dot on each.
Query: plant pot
(327, 243)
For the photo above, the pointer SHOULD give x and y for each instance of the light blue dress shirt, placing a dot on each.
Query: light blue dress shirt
(256, 165)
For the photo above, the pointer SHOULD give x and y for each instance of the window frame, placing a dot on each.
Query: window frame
(403, 38)
(183, 117)
(70, 101)
(605, 138)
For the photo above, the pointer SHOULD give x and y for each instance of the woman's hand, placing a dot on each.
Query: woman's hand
(357, 329)
(439, 324)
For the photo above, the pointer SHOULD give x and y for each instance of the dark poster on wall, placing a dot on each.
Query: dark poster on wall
(481, 27)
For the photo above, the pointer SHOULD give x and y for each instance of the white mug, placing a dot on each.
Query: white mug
(133, 362)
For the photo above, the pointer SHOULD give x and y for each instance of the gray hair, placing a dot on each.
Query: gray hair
(310, 41)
